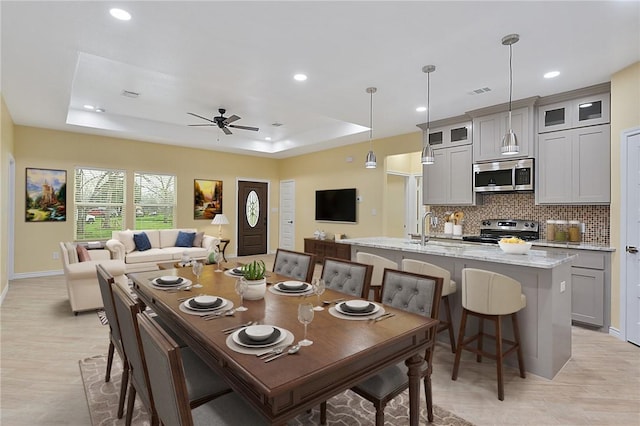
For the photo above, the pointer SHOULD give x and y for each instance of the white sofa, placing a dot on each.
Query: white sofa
(163, 248)
(82, 278)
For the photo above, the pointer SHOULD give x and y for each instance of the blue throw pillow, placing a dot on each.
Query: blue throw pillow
(185, 239)
(142, 241)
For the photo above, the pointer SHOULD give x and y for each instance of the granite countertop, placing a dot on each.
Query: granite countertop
(485, 252)
(538, 243)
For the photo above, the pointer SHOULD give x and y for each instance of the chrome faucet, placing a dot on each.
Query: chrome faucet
(423, 237)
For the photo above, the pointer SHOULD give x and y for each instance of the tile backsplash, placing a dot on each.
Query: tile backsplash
(522, 206)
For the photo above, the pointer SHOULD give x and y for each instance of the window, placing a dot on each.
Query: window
(155, 201)
(99, 203)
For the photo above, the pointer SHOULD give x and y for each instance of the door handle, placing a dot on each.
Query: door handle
(289, 221)
(631, 249)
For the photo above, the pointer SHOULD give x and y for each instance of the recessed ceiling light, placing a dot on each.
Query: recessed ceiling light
(87, 106)
(267, 138)
(120, 14)
(99, 109)
(421, 109)
(300, 77)
(552, 74)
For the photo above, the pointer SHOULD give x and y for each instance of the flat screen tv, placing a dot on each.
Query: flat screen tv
(336, 205)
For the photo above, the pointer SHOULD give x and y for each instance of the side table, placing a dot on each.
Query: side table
(224, 242)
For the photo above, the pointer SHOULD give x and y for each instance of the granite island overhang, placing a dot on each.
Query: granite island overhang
(545, 323)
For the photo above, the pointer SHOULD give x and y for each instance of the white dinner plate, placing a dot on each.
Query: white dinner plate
(292, 287)
(376, 308)
(162, 282)
(237, 341)
(209, 309)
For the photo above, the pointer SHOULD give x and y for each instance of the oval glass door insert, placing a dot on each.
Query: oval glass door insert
(252, 208)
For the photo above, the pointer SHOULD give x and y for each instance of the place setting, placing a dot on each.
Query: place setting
(291, 288)
(206, 305)
(359, 310)
(254, 339)
(171, 283)
(235, 272)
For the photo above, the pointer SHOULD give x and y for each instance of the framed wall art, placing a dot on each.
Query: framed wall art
(207, 198)
(46, 195)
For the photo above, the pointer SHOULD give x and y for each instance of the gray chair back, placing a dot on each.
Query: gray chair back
(295, 265)
(347, 277)
(105, 281)
(412, 292)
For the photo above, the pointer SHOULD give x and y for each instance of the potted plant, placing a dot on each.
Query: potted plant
(254, 273)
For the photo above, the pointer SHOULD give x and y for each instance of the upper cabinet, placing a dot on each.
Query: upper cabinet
(490, 125)
(585, 111)
(449, 181)
(450, 135)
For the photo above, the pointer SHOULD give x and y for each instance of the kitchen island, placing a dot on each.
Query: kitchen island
(545, 323)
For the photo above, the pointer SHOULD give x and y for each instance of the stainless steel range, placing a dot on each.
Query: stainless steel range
(495, 229)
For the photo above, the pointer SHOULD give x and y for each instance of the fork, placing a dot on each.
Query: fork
(237, 327)
(274, 351)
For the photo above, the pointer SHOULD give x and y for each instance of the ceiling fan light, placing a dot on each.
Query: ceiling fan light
(370, 162)
(510, 144)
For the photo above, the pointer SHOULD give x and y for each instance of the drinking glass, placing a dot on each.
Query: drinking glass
(196, 268)
(318, 288)
(218, 258)
(241, 287)
(305, 316)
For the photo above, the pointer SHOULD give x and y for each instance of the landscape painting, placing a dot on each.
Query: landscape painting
(46, 195)
(207, 198)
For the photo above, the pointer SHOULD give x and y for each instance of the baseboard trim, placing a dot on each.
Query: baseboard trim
(37, 274)
(4, 293)
(616, 333)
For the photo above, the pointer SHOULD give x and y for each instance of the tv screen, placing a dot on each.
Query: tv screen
(336, 205)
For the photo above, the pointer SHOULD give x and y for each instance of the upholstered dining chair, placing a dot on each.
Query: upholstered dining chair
(490, 296)
(296, 265)
(346, 276)
(164, 360)
(202, 383)
(419, 294)
(448, 287)
(105, 281)
(379, 264)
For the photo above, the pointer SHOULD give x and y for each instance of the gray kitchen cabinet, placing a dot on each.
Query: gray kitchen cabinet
(573, 166)
(488, 131)
(449, 181)
(450, 135)
(585, 111)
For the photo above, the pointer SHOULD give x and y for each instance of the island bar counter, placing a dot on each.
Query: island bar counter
(545, 323)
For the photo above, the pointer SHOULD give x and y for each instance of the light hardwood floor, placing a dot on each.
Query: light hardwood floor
(41, 343)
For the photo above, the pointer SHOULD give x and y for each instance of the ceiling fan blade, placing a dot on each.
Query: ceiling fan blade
(231, 119)
(255, 129)
(226, 131)
(198, 125)
(199, 116)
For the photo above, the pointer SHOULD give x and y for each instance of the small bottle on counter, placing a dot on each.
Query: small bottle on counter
(551, 230)
(574, 231)
(561, 231)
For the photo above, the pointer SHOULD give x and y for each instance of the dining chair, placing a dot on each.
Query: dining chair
(105, 281)
(202, 383)
(490, 296)
(448, 287)
(346, 276)
(419, 294)
(293, 264)
(165, 363)
(379, 264)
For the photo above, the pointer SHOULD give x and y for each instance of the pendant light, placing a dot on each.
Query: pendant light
(370, 162)
(428, 157)
(510, 141)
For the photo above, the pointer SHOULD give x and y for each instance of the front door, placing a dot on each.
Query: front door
(252, 218)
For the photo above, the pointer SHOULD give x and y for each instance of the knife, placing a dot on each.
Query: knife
(384, 316)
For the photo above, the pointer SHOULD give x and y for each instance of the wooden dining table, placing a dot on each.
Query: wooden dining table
(344, 352)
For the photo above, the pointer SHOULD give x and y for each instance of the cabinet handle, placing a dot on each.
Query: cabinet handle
(632, 249)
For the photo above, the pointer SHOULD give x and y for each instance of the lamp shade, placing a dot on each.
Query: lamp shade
(220, 219)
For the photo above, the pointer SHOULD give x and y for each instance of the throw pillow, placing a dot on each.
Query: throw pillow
(185, 239)
(83, 253)
(142, 241)
(197, 241)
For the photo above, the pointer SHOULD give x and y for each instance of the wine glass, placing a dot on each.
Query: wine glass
(305, 316)
(218, 258)
(318, 288)
(241, 287)
(196, 268)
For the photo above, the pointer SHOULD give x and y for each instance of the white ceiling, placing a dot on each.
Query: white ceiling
(200, 56)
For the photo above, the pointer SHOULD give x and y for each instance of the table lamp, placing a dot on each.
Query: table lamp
(220, 220)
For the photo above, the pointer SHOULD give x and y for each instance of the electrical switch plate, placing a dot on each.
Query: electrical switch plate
(563, 286)
(55, 255)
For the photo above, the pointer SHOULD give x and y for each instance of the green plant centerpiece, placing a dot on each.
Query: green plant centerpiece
(255, 273)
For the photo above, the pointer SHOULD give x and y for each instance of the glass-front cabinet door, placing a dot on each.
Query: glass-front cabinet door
(587, 111)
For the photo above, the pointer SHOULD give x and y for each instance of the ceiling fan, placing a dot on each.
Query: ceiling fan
(223, 122)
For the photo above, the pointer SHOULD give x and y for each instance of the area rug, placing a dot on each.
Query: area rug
(345, 409)
(102, 316)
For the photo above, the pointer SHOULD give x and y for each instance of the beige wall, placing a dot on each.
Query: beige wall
(6, 153)
(625, 114)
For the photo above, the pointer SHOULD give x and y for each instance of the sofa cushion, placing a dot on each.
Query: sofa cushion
(154, 237)
(126, 238)
(83, 253)
(197, 241)
(151, 255)
(193, 252)
(142, 241)
(185, 239)
(72, 253)
(168, 237)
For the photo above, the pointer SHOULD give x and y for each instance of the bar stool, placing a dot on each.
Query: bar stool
(448, 287)
(379, 264)
(489, 295)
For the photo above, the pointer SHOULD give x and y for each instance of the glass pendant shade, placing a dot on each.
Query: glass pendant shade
(370, 162)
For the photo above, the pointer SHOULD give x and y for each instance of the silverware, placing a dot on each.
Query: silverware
(274, 351)
(293, 350)
(329, 302)
(237, 327)
(226, 313)
(384, 317)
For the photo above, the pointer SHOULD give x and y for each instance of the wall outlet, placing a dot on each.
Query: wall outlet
(374, 212)
(563, 286)
(55, 255)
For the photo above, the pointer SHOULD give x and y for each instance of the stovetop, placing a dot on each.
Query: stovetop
(495, 229)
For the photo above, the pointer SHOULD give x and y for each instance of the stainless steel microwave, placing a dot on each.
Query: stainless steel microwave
(508, 175)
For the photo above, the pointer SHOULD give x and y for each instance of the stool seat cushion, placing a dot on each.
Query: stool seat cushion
(491, 293)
